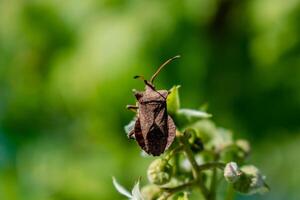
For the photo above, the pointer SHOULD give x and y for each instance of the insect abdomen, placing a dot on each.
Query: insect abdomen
(156, 140)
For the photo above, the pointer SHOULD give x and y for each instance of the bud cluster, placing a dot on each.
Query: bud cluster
(159, 172)
(200, 155)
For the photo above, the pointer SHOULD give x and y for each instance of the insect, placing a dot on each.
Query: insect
(154, 129)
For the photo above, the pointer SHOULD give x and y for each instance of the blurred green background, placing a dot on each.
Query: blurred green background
(66, 71)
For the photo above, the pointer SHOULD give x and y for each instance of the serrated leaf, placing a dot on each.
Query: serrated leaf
(173, 102)
(121, 189)
(136, 193)
(130, 126)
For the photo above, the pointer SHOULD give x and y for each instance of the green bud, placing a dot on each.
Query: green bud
(243, 145)
(251, 182)
(195, 141)
(173, 101)
(151, 192)
(222, 138)
(247, 180)
(159, 172)
(232, 172)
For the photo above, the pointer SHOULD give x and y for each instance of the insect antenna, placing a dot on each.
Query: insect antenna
(161, 67)
(141, 77)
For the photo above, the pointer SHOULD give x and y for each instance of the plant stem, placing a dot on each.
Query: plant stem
(170, 191)
(211, 165)
(214, 184)
(180, 187)
(229, 193)
(195, 168)
(189, 154)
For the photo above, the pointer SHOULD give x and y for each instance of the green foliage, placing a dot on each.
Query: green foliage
(193, 161)
(182, 116)
(173, 101)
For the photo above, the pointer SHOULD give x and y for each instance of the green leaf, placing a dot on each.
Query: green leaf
(173, 102)
(186, 117)
(121, 189)
(190, 113)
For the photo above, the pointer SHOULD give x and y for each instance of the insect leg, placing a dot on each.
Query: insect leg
(132, 107)
(131, 134)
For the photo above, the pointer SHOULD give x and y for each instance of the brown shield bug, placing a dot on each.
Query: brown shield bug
(154, 129)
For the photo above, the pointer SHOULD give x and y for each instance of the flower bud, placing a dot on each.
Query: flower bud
(247, 180)
(159, 172)
(195, 141)
(232, 172)
(251, 181)
(151, 192)
(243, 145)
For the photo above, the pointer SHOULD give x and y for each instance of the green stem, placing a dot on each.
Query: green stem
(211, 165)
(189, 154)
(214, 184)
(195, 168)
(180, 187)
(229, 193)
